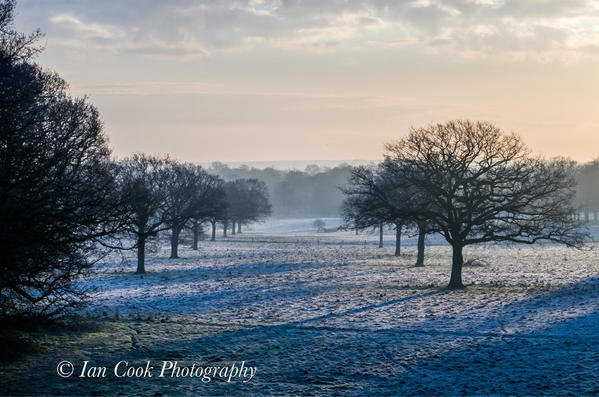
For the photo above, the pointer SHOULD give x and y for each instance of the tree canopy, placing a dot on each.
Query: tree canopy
(484, 186)
(56, 181)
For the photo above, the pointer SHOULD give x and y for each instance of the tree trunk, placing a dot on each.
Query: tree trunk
(196, 232)
(239, 227)
(232, 227)
(141, 255)
(356, 231)
(586, 216)
(398, 227)
(175, 242)
(421, 235)
(380, 235)
(213, 231)
(456, 268)
(225, 226)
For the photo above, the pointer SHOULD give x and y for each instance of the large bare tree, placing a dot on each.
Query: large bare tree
(484, 186)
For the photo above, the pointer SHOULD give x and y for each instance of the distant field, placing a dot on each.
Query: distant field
(328, 313)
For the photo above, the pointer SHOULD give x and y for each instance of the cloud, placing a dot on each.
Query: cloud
(71, 24)
(186, 29)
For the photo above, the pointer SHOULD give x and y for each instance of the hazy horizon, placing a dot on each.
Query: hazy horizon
(261, 80)
(283, 165)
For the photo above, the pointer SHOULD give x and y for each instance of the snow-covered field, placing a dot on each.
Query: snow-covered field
(331, 313)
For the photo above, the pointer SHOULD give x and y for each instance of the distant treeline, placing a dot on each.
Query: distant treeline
(587, 192)
(314, 192)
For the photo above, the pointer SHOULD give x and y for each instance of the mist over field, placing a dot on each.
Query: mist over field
(315, 190)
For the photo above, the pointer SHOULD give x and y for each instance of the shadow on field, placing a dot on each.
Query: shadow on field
(198, 303)
(536, 311)
(365, 308)
(520, 349)
(173, 277)
(555, 357)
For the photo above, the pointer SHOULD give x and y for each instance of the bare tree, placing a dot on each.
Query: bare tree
(181, 189)
(216, 211)
(209, 204)
(187, 188)
(197, 230)
(485, 187)
(367, 204)
(247, 202)
(15, 47)
(319, 225)
(233, 200)
(407, 202)
(143, 187)
(225, 223)
(382, 195)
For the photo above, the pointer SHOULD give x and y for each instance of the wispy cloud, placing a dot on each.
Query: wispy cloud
(185, 29)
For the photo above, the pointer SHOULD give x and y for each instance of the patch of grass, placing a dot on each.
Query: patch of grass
(22, 337)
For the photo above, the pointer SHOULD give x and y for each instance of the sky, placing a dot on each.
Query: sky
(262, 80)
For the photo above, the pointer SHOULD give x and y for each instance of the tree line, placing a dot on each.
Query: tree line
(65, 202)
(155, 194)
(314, 192)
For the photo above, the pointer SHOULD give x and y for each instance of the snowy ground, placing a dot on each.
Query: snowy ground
(332, 314)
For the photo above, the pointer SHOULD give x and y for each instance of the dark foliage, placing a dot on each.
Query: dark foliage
(56, 182)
